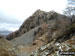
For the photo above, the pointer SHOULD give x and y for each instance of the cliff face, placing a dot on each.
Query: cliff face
(47, 20)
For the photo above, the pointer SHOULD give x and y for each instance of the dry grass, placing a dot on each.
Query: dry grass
(6, 49)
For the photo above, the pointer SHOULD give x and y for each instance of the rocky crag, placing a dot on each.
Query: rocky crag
(47, 20)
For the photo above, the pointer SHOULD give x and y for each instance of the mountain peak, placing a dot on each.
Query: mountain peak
(38, 12)
(40, 18)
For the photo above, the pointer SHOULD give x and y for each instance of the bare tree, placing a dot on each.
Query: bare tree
(70, 10)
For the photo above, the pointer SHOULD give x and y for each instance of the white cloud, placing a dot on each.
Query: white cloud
(9, 27)
(21, 9)
(24, 8)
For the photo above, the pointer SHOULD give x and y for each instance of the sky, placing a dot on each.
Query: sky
(14, 12)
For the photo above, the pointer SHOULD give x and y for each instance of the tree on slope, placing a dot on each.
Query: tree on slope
(70, 10)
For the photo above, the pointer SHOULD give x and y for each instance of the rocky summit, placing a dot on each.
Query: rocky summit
(43, 34)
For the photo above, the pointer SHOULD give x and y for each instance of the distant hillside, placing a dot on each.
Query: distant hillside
(5, 32)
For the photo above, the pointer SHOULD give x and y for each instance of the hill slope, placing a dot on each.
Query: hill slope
(41, 18)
